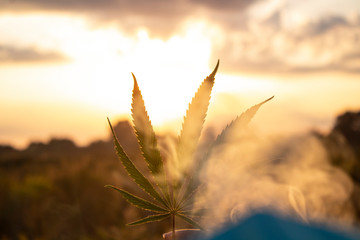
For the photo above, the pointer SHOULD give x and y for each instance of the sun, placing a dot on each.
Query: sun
(168, 71)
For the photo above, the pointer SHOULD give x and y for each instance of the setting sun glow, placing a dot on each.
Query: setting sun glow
(272, 134)
(62, 74)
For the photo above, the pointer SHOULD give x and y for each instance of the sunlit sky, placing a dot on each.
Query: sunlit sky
(66, 65)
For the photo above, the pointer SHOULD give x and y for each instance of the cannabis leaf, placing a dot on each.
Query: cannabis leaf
(147, 139)
(240, 122)
(170, 200)
(133, 172)
(193, 121)
(237, 125)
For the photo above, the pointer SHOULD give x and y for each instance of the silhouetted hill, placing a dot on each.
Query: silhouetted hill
(8, 153)
(343, 143)
(343, 147)
(348, 125)
(57, 150)
(55, 190)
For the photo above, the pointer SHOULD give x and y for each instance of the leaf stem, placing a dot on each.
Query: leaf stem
(173, 236)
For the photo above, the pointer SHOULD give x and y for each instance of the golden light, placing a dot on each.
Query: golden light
(96, 82)
(168, 71)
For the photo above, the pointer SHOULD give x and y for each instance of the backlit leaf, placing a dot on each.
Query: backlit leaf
(191, 221)
(240, 122)
(137, 201)
(133, 172)
(147, 139)
(152, 218)
(194, 120)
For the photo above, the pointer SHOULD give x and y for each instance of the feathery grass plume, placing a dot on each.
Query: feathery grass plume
(171, 200)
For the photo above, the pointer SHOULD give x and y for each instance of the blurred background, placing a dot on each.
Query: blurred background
(66, 65)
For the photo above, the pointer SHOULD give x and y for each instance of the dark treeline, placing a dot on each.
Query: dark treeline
(343, 148)
(56, 190)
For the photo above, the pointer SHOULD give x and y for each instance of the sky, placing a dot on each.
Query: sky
(66, 65)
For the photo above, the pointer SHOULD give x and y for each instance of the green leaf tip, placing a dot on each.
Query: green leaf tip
(212, 75)
(135, 82)
(267, 100)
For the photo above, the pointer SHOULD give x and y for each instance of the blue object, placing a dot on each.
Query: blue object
(267, 227)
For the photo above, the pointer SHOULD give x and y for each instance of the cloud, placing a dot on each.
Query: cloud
(13, 55)
(252, 36)
(153, 8)
(268, 45)
(159, 16)
(228, 5)
(325, 24)
(162, 18)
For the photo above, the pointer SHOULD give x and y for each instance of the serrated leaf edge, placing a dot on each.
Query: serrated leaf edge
(133, 172)
(151, 155)
(137, 201)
